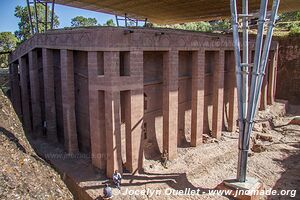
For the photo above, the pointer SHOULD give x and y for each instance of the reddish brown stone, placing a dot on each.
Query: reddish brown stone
(263, 94)
(197, 97)
(273, 57)
(49, 95)
(232, 94)
(113, 132)
(15, 88)
(161, 87)
(37, 123)
(97, 116)
(134, 115)
(134, 151)
(25, 94)
(170, 103)
(218, 89)
(68, 101)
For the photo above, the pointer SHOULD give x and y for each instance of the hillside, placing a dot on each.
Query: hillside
(23, 174)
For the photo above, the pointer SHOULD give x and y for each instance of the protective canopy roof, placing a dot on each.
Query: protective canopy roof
(171, 11)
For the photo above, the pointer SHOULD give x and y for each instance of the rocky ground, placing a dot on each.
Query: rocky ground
(23, 174)
(274, 158)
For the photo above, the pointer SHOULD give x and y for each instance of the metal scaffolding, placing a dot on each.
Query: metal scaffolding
(34, 24)
(248, 99)
(129, 22)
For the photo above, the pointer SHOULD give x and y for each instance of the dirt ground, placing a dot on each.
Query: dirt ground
(275, 161)
(23, 174)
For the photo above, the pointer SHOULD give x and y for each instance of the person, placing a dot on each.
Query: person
(107, 192)
(117, 179)
(164, 159)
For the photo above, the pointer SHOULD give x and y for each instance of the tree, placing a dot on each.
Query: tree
(8, 42)
(109, 22)
(83, 21)
(24, 31)
(290, 16)
(221, 25)
(290, 21)
(197, 26)
(294, 30)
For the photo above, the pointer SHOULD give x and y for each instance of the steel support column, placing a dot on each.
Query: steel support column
(247, 111)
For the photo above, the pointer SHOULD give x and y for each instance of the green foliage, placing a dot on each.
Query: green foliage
(80, 21)
(8, 42)
(24, 31)
(221, 25)
(289, 16)
(197, 26)
(109, 22)
(294, 30)
(288, 23)
(213, 26)
(192, 26)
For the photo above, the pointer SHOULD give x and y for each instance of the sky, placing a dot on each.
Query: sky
(8, 22)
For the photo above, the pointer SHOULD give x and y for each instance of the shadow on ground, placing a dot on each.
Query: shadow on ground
(290, 178)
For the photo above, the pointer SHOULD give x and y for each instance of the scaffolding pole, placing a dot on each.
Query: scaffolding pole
(247, 105)
(34, 28)
(30, 17)
(52, 14)
(36, 18)
(238, 66)
(46, 15)
(128, 21)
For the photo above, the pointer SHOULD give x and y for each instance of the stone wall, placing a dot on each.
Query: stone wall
(288, 77)
(121, 96)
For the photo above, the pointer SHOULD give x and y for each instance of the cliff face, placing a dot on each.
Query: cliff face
(288, 77)
(23, 174)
